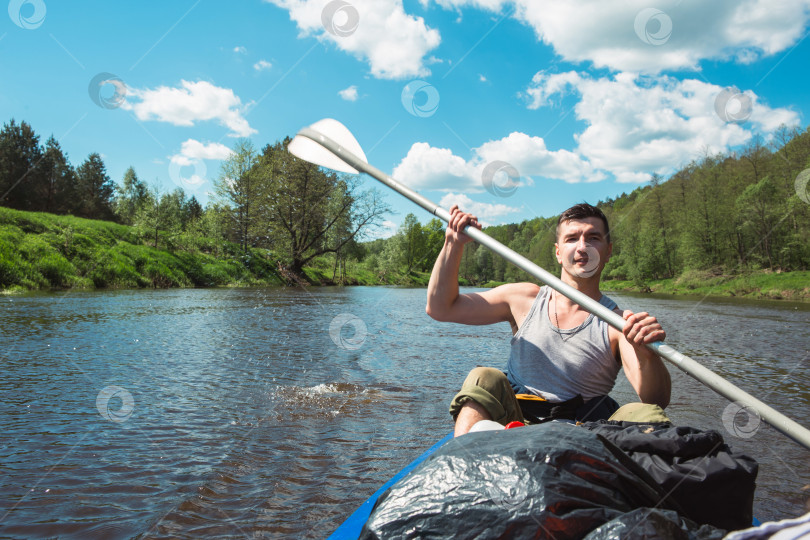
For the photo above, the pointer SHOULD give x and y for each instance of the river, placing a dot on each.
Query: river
(276, 412)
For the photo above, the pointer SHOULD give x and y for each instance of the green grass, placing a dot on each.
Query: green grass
(45, 251)
(785, 285)
(321, 270)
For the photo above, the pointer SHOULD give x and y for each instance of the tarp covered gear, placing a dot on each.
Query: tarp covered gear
(552, 480)
(709, 483)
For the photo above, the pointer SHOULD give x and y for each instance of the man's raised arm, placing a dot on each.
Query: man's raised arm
(444, 303)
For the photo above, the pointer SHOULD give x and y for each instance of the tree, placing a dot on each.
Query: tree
(131, 195)
(58, 191)
(756, 206)
(657, 190)
(413, 242)
(755, 154)
(95, 189)
(159, 212)
(20, 168)
(434, 240)
(484, 258)
(192, 211)
(240, 189)
(340, 231)
(311, 212)
(212, 225)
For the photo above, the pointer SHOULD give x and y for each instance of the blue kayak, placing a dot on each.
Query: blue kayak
(350, 529)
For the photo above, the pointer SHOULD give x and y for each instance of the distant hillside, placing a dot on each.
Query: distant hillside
(718, 221)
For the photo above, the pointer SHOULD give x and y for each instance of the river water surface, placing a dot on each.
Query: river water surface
(276, 412)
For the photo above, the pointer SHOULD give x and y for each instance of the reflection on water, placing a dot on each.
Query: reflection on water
(270, 413)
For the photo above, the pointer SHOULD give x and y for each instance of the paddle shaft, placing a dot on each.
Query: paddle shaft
(706, 376)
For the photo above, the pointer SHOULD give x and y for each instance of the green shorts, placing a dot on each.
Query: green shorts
(490, 388)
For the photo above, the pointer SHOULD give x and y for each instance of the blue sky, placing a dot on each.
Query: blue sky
(575, 101)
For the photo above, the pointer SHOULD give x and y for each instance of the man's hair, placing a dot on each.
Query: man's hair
(582, 211)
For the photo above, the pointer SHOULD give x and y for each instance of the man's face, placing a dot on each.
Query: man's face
(582, 247)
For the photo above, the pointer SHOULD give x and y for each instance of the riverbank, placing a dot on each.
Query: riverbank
(40, 251)
(793, 286)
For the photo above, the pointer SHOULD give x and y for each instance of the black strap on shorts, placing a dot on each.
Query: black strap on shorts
(537, 411)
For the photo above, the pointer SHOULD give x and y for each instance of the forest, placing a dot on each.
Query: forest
(721, 215)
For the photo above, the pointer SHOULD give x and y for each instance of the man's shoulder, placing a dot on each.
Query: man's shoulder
(515, 294)
(522, 289)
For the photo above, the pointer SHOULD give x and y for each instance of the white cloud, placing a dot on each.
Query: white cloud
(638, 125)
(604, 32)
(388, 228)
(349, 94)
(196, 150)
(487, 214)
(188, 104)
(377, 31)
(531, 158)
(192, 154)
(425, 167)
(492, 5)
(262, 65)
(635, 126)
(240, 50)
(438, 169)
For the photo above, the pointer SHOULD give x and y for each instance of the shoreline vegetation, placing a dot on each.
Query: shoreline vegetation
(734, 225)
(761, 285)
(41, 251)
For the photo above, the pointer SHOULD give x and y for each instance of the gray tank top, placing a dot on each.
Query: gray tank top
(559, 364)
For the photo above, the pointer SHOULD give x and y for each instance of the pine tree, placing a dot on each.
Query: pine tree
(20, 166)
(95, 189)
(58, 191)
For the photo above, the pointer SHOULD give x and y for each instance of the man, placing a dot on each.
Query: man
(564, 360)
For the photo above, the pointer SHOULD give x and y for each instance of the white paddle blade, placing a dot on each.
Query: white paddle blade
(309, 150)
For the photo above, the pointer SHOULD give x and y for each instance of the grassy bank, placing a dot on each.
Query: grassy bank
(46, 251)
(794, 286)
(321, 271)
(40, 251)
